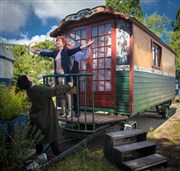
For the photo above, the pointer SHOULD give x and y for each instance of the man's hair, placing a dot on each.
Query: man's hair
(72, 41)
(23, 82)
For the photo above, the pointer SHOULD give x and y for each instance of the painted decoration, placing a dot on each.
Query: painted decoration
(85, 13)
(122, 42)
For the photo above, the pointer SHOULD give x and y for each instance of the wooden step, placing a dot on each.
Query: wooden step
(143, 147)
(144, 162)
(117, 138)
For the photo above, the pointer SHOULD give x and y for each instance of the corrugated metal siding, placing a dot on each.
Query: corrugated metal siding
(122, 91)
(152, 89)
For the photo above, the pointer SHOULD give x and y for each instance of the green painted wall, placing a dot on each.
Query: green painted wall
(122, 91)
(152, 89)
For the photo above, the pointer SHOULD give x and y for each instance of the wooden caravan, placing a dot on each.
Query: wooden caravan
(133, 69)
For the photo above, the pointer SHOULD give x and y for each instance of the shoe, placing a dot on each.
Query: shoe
(32, 166)
(64, 115)
(42, 157)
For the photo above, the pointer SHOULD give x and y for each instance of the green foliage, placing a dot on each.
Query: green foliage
(47, 44)
(12, 103)
(127, 7)
(26, 64)
(16, 149)
(175, 44)
(85, 160)
(157, 24)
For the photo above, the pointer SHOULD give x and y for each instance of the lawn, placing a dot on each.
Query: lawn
(167, 138)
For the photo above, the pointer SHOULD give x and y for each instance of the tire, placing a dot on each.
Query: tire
(165, 113)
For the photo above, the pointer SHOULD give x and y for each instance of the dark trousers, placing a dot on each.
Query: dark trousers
(54, 146)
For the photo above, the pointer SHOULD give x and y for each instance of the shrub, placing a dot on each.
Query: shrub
(15, 150)
(12, 103)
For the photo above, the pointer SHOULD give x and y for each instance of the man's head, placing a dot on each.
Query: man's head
(24, 82)
(71, 43)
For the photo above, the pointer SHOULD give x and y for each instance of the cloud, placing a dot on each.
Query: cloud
(59, 9)
(14, 15)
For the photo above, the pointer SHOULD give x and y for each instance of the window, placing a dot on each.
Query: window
(156, 55)
(101, 57)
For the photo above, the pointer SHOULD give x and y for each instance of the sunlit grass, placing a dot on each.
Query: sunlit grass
(85, 160)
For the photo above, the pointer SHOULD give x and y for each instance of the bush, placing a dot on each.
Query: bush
(12, 103)
(15, 150)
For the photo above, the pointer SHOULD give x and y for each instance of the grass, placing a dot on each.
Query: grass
(167, 138)
(85, 160)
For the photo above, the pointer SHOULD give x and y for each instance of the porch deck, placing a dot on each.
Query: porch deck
(99, 118)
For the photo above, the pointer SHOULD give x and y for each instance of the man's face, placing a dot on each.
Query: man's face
(70, 45)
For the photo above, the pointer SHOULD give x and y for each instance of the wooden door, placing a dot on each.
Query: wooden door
(100, 63)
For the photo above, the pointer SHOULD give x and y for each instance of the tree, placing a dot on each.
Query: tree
(131, 7)
(30, 65)
(157, 24)
(175, 43)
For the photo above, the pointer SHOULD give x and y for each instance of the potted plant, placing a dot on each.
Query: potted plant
(12, 106)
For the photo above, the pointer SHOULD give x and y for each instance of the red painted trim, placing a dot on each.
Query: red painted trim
(113, 65)
(131, 73)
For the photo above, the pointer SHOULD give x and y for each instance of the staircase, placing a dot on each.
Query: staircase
(131, 151)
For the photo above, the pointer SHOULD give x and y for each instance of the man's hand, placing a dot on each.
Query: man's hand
(70, 83)
(90, 42)
(72, 91)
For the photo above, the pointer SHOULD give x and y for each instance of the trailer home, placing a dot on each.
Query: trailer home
(133, 69)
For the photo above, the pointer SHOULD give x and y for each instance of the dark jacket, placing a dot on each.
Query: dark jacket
(65, 57)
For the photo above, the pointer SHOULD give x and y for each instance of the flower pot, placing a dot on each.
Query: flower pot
(17, 123)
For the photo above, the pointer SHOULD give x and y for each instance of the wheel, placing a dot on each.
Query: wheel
(165, 113)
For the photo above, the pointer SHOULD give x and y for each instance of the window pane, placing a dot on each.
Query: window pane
(101, 41)
(101, 30)
(94, 53)
(94, 31)
(108, 51)
(78, 35)
(107, 62)
(101, 85)
(72, 35)
(101, 74)
(100, 52)
(83, 34)
(95, 42)
(94, 63)
(101, 63)
(95, 75)
(108, 85)
(108, 28)
(107, 40)
(108, 74)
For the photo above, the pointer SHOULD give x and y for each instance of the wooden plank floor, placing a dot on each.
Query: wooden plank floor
(98, 118)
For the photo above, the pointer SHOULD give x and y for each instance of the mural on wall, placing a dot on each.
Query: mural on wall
(123, 32)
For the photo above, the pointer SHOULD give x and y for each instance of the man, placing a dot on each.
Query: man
(78, 56)
(43, 112)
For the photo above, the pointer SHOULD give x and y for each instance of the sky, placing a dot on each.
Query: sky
(29, 21)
